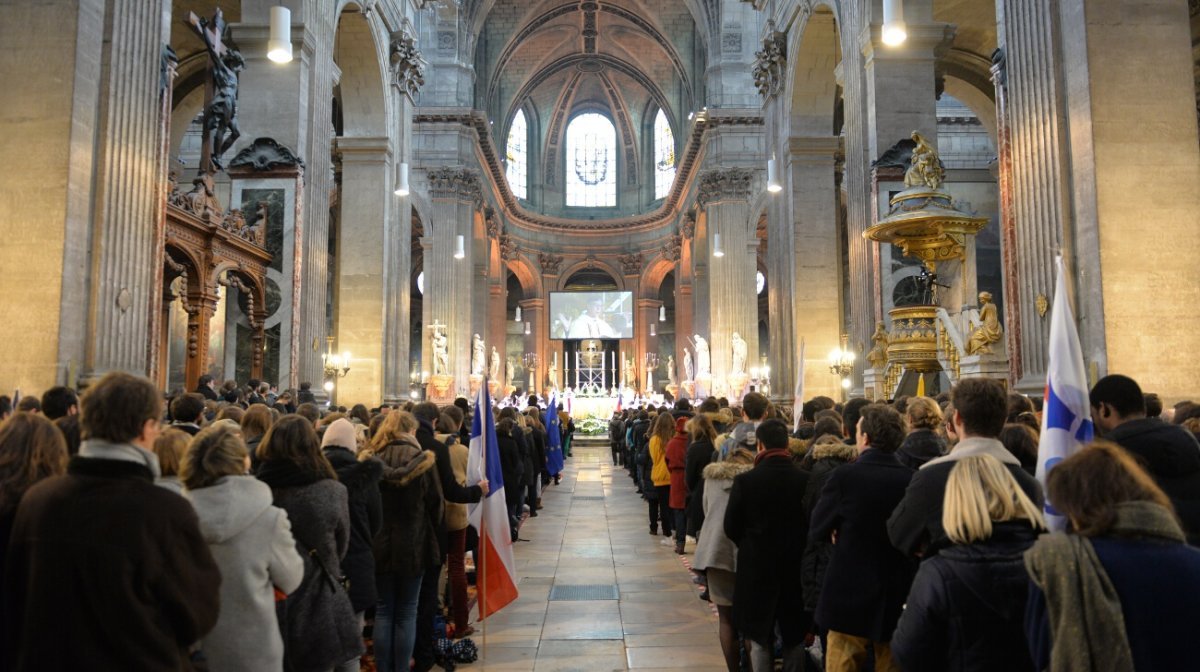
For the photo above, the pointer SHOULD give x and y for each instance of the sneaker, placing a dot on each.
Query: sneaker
(667, 542)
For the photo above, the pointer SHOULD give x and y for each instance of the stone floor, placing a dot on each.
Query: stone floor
(593, 530)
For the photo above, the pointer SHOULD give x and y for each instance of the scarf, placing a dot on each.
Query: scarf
(124, 452)
(286, 474)
(1087, 627)
(774, 452)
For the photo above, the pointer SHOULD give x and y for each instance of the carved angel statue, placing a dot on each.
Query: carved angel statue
(988, 331)
(510, 370)
(739, 353)
(494, 369)
(441, 354)
(878, 354)
(478, 358)
(925, 169)
(703, 359)
(689, 369)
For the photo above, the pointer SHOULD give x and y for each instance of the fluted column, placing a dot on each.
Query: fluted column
(732, 301)
(449, 281)
(816, 293)
(534, 312)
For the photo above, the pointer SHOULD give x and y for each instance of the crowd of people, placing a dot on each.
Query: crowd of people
(242, 528)
(911, 534)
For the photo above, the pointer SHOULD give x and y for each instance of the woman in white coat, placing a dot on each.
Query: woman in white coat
(252, 543)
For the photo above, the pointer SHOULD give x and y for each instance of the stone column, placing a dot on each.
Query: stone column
(647, 314)
(448, 281)
(684, 297)
(732, 301)
(362, 239)
(817, 288)
(534, 312)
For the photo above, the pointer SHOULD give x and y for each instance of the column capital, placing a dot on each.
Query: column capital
(532, 304)
(454, 183)
(724, 184)
(363, 149)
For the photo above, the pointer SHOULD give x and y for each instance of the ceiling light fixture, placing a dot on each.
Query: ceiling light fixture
(279, 40)
(895, 32)
(773, 185)
(459, 247)
(402, 179)
(717, 251)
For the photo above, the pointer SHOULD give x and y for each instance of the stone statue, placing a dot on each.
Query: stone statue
(739, 353)
(478, 358)
(671, 369)
(878, 354)
(689, 369)
(552, 373)
(703, 359)
(510, 370)
(494, 369)
(988, 330)
(925, 169)
(630, 373)
(441, 351)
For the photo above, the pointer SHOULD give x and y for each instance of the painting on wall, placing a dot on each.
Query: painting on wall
(275, 200)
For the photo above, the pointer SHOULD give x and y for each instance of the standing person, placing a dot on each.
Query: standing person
(169, 448)
(923, 442)
(426, 414)
(255, 423)
(716, 555)
(205, 387)
(966, 608)
(754, 411)
(31, 449)
(1168, 452)
(867, 580)
(980, 408)
(59, 402)
(187, 411)
(456, 522)
(361, 478)
(512, 466)
(676, 458)
(827, 454)
(407, 546)
(146, 568)
(765, 519)
(252, 543)
(1120, 591)
(699, 454)
(661, 433)
(536, 437)
(320, 629)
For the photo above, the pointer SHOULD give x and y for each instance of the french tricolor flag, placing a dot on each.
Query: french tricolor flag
(496, 569)
(1067, 413)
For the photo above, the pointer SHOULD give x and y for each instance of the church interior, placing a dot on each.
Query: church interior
(307, 192)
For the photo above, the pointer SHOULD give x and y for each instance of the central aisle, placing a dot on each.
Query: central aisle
(593, 531)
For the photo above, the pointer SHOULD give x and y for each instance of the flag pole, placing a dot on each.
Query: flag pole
(481, 578)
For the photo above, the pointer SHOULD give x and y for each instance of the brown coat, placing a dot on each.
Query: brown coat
(106, 571)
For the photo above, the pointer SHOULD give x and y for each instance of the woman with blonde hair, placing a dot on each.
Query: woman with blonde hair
(1119, 590)
(170, 447)
(252, 542)
(923, 443)
(407, 543)
(966, 607)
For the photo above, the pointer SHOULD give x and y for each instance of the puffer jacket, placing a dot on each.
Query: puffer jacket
(826, 457)
(713, 548)
(919, 447)
(966, 608)
(412, 510)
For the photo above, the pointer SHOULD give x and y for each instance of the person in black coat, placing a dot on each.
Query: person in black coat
(827, 454)
(867, 579)
(205, 387)
(966, 608)
(1169, 452)
(765, 519)
(699, 455)
(512, 464)
(923, 443)
(366, 510)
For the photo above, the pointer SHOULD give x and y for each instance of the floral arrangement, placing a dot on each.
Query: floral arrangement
(592, 426)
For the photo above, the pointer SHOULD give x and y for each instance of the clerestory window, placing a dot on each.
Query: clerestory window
(591, 162)
(664, 156)
(517, 156)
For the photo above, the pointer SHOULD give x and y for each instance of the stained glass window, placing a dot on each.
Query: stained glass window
(517, 156)
(591, 162)
(664, 156)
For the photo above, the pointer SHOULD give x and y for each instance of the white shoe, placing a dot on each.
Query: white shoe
(669, 541)
(691, 539)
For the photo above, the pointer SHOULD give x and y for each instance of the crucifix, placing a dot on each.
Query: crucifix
(220, 91)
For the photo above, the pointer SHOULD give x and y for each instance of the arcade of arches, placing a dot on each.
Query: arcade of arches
(729, 164)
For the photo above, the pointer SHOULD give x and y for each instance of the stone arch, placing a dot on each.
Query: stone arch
(653, 275)
(531, 280)
(360, 51)
(587, 264)
(814, 51)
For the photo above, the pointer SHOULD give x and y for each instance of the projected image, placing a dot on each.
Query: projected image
(591, 315)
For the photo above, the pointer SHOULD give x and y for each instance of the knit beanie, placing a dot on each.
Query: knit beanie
(340, 433)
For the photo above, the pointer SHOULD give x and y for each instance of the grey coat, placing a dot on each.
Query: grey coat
(714, 549)
(252, 543)
(321, 629)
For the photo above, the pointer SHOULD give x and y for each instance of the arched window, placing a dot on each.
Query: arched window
(664, 156)
(517, 156)
(591, 162)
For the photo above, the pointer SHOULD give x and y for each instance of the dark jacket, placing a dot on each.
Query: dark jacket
(867, 580)
(320, 629)
(207, 392)
(411, 495)
(306, 397)
(915, 527)
(451, 489)
(966, 608)
(919, 447)
(1157, 583)
(366, 518)
(512, 466)
(699, 456)
(676, 455)
(1172, 456)
(826, 457)
(765, 518)
(105, 571)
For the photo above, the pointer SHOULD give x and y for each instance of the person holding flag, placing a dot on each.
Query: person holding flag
(554, 451)
(497, 580)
